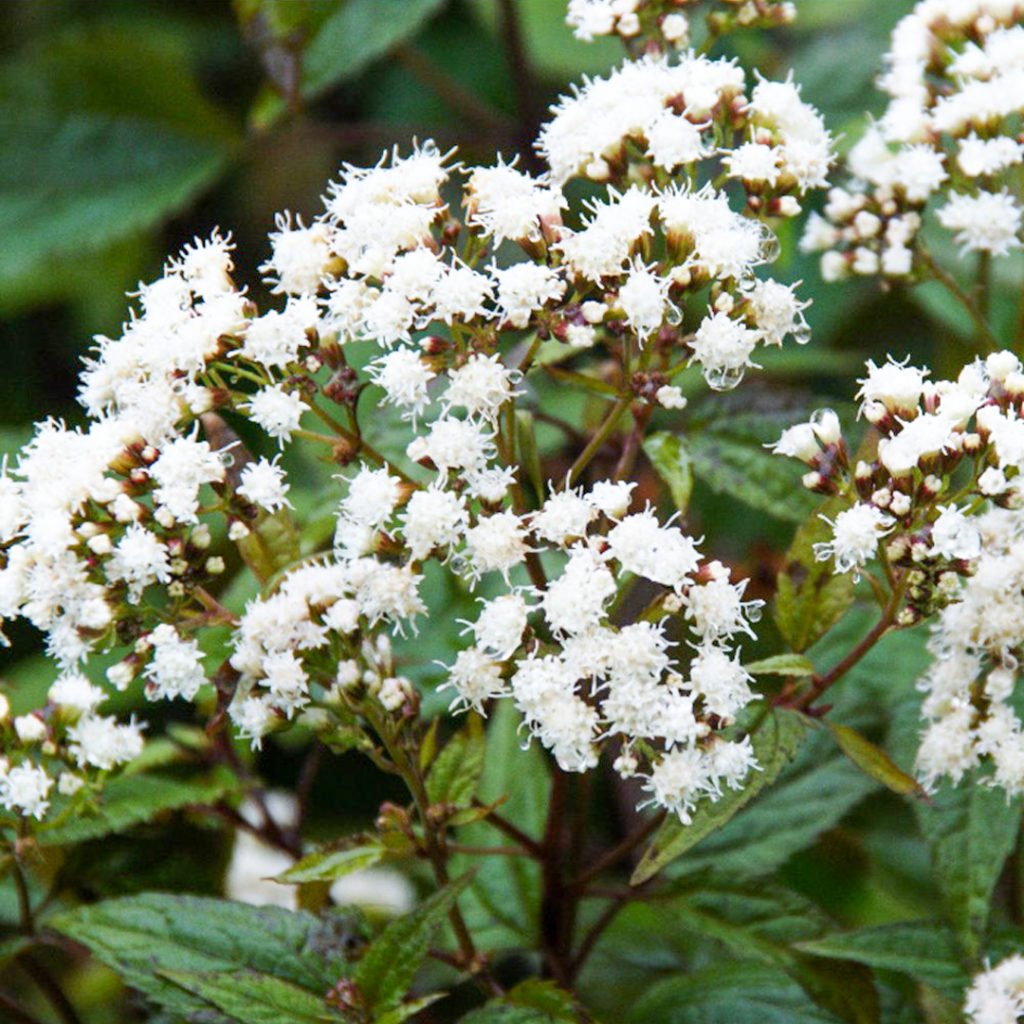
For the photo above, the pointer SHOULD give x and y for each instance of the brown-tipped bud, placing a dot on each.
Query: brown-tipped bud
(931, 487)
(908, 616)
(898, 549)
(348, 997)
(432, 345)
(344, 452)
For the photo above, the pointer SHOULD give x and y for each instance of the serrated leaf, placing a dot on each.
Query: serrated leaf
(670, 458)
(735, 993)
(781, 665)
(728, 454)
(874, 761)
(775, 744)
(139, 936)
(455, 773)
(811, 596)
(970, 829)
(328, 865)
(924, 950)
(390, 963)
(129, 800)
(810, 797)
(253, 998)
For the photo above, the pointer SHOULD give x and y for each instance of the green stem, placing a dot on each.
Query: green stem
(984, 339)
(597, 441)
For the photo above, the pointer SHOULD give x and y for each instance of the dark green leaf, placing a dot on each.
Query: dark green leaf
(501, 905)
(924, 950)
(129, 800)
(141, 936)
(970, 829)
(388, 967)
(669, 457)
(736, 993)
(810, 797)
(253, 998)
(455, 774)
(775, 744)
(811, 595)
(530, 1002)
(358, 33)
(105, 134)
(874, 761)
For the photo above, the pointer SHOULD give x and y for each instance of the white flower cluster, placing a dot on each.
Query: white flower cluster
(390, 261)
(67, 742)
(955, 78)
(996, 995)
(579, 679)
(662, 23)
(948, 452)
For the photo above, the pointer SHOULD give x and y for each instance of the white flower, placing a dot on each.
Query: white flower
(30, 728)
(661, 553)
(954, 535)
(404, 376)
(139, 559)
(433, 518)
(754, 162)
(987, 222)
(263, 483)
(176, 668)
(669, 396)
(454, 444)
(499, 628)
(276, 411)
(643, 298)
(777, 312)
(481, 386)
(276, 338)
(496, 544)
(24, 788)
(104, 743)
(897, 386)
(300, 256)
(184, 465)
(476, 679)
(563, 517)
(525, 288)
(678, 780)
(73, 690)
(855, 536)
(723, 347)
(575, 601)
(506, 203)
(611, 498)
(979, 157)
(996, 995)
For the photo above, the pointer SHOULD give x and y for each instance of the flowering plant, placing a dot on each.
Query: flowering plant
(505, 592)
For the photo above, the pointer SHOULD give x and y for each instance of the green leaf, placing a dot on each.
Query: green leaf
(530, 1002)
(811, 595)
(140, 936)
(528, 451)
(389, 965)
(669, 457)
(129, 800)
(455, 774)
(811, 796)
(925, 950)
(271, 545)
(358, 33)
(971, 830)
(502, 904)
(775, 744)
(728, 454)
(781, 665)
(874, 761)
(252, 997)
(328, 865)
(106, 134)
(735, 993)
